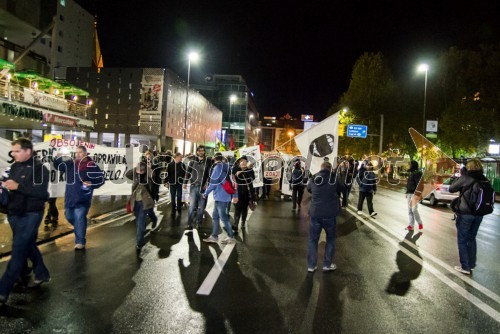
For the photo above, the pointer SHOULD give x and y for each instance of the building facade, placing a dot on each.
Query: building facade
(147, 106)
(240, 115)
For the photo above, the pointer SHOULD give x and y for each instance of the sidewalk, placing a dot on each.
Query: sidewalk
(103, 208)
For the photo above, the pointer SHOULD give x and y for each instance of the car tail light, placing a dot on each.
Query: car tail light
(438, 187)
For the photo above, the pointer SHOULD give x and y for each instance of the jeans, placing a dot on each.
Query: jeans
(413, 212)
(78, 218)
(176, 197)
(25, 232)
(196, 202)
(369, 201)
(140, 222)
(221, 214)
(297, 193)
(467, 226)
(315, 227)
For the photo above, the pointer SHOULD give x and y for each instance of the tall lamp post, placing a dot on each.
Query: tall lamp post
(424, 68)
(193, 56)
(232, 99)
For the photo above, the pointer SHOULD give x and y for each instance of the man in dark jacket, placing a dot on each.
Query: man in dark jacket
(324, 209)
(367, 181)
(82, 177)
(467, 223)
(297, 184)
(27, 184)
(197, 175)
(175, 179)
(413, 196)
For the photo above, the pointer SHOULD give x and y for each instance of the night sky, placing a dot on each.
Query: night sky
(296, 57)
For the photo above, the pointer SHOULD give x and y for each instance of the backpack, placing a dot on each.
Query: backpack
(481, 198)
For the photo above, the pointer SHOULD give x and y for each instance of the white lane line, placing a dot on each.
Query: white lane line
(446, 266)
(212, 277)
(460, 290)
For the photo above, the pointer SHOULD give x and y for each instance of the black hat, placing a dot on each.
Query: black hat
(244, 157)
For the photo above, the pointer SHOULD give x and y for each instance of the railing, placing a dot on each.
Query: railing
(14, 92)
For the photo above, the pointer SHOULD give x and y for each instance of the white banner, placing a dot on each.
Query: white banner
(320, 142)
(254, 158)
(115, 162)
(38, 98)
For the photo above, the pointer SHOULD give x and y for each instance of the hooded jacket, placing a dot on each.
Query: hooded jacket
(324, 188)
(367, 181)
(413, 178)
(78, 172)
(464, 184)
(220, 173)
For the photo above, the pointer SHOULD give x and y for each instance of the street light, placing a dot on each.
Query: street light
(193, 56)
(232, 99)
(424, 68)
(290, 133)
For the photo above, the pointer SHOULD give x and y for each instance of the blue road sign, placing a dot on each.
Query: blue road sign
(357, 131)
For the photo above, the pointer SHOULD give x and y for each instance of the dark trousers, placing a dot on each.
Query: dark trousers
(241, 209)
(297, 194)
(176, 197)
(267, 187)
(24, 232)
(369, 201)
(53, 213)
(345, 194)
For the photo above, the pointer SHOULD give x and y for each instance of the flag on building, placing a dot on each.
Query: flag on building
(320, 143)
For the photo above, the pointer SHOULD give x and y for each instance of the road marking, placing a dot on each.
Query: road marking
(212, 277)
(460, 290)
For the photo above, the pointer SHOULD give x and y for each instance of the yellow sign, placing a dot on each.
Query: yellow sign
(341, 130)
(50, 136)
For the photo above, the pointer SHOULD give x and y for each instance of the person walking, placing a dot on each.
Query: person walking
(151, 161)
(82, 177)
(367, 182)
(28, 191)
(243, 176)
(175, 179)
(197, 175)
(472, 196)
(218, 178)
(142, 198)
(297, 183)
(413, 196)
(324, 209)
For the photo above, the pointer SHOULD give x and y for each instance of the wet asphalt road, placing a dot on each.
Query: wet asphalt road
(387, 281)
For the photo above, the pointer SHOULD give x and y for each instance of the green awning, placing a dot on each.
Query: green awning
(5, 65)
(69, 89)
(28, 75)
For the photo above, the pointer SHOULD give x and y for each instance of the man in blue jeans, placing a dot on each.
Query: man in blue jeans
(324, 209)
(27, 185)
(82, 177)
(197, 174)
(219, 175)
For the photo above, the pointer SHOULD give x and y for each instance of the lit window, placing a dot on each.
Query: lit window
(105, 126)
(96, 111)
(107, 116)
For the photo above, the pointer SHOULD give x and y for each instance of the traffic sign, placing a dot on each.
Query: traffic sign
(357, 131)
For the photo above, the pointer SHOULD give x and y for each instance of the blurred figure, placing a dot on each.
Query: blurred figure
(297, 183)
(367, 188)
(175, 179)
(413, 196)
(243, 176)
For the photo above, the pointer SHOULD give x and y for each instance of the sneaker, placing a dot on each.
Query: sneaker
(79, 247)
(332, 267)
(409, 228)
(211, 239)
(360, 212)
(420, 226)
(461, 270)
(138, 247)
(311, 270)
(373, 214)
(228, 241)
(38, 282)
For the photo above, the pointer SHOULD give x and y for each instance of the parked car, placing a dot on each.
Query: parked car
(442, 192)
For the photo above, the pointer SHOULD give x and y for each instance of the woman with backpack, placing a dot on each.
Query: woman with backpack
(476, 200)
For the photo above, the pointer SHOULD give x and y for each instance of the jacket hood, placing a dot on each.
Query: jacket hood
(413, 166)
(323, 177)
(477, 174)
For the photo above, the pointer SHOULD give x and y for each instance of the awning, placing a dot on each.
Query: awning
(69, 89)
(4, 64)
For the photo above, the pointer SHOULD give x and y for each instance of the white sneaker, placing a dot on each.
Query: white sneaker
(461, 270)
(360, 212)
(373, 214)
(211, 239)
(79, 246)
(311, 270)
(228, 241)
(332, 267)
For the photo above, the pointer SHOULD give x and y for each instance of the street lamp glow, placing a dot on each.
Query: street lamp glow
(345, 109)
(290, 133)
(423, 68)
(193, 56)
(250, 116)
(232, 98)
